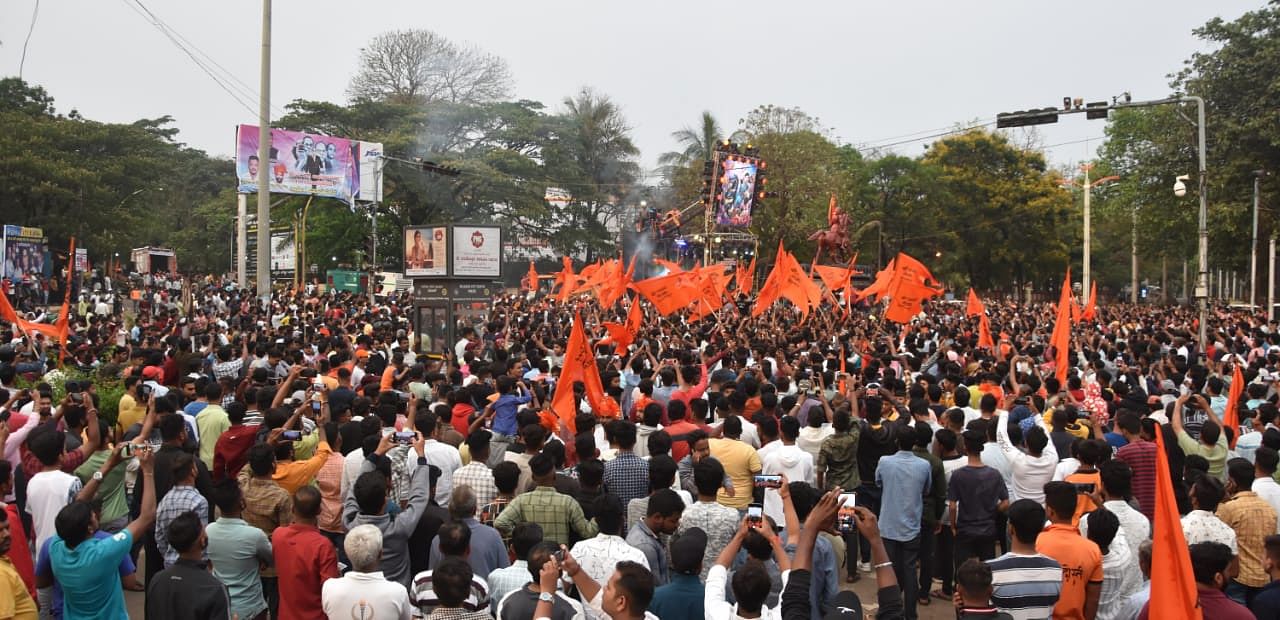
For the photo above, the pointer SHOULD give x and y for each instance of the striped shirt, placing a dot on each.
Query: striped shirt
(1025, 586)
(424, 599)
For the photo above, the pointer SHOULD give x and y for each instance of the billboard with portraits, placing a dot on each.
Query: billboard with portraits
(309, 164)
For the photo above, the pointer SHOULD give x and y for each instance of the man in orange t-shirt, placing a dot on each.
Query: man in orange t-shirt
(1080, 557)
(1088, 452)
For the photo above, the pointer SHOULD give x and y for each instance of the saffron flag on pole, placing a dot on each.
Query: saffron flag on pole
(907, 289)
(566, 279)
(1173, 582)
(579, 365)
(668, 294)
(1060, 340)
(531, 278)
(974, 305)
(1091, 306)
(622, 335)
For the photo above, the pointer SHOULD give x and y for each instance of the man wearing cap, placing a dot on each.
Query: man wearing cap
(682, 597)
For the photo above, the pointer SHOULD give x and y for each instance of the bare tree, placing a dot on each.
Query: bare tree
(421, 66)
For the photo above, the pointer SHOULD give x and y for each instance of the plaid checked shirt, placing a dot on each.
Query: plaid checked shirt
(557, 513)
(480, 478)
(177, 501)
(627, 476)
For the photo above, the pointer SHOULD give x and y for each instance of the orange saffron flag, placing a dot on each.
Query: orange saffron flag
(1091, 306)
(566, 279)
(907, 289)
(579, 365)
(671, 267)
(1173, 583)
(621, 336)
(984, 333)
(974, 305)
(669, 294)
(6, 309)
(1061, 338)
(531, 279)
(1231, 416)
(746, 277)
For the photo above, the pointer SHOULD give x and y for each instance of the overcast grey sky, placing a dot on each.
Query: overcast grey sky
(871, 71)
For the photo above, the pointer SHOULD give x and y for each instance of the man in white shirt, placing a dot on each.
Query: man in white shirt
(751, 583)
(1201, 524)
(1117, 485)
(630, 588)
(597, 556)
(1033, 468)
(440, 454)
(787, 460)
(51, 489)
(1264, 482)
(363, 592)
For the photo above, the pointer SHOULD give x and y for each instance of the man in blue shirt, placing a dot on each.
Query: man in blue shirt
(903, 478)
(682, 597)
(87, 567)
(504, 409)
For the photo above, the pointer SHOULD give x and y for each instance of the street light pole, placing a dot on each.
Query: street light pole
(1133, 259)
(1253, 248)
(1088, 222)
(1202, 281)
(264, 158)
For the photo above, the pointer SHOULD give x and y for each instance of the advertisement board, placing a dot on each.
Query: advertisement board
(425, 251)
(309, 164)
(477, 251)
(82, 260)
(737, 191)
(25, 253)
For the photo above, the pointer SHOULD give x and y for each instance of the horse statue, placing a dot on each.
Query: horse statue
(835, 239)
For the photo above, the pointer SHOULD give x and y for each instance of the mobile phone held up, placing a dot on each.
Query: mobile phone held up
(768, 481)
(291, 435)
(405, 438)
(755, 513)
(847, 518)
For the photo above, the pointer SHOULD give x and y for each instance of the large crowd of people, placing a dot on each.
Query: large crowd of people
(302, 458)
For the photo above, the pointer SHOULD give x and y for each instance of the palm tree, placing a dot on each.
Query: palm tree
(698, 143)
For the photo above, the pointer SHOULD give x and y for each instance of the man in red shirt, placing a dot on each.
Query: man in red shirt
(232, 450)
(679, 428)
(304, 559)
(18, 554)
(1140, 455)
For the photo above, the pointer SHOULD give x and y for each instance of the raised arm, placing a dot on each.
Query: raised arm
(147, 516)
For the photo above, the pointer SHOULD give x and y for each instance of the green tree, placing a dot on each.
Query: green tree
(1004, 212)
(594, 156)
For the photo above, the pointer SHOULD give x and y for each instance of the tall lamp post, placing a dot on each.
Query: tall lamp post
(1253, 246)
(1088, 186)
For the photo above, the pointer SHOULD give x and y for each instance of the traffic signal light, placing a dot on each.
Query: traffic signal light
(1096, 110)
(1025, 118)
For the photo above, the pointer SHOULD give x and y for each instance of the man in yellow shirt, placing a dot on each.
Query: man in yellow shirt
(15, 601)
(130, 411)
(741, 462)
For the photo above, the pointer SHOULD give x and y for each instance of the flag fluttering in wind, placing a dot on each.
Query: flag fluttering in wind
(531, 279)
(1091, 306)
(1173, 582)
(622, 335)
(566, 279)
(746, 277)
(788, 280)
(579, 365)
(974, 307)
(669, 294)
(907, 289)
(1060, 340)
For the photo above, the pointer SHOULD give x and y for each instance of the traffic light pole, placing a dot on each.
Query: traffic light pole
(1050, 115)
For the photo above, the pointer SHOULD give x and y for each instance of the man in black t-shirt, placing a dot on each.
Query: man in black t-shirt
(975, 496)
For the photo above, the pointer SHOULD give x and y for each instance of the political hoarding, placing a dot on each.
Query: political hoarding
(310, 164)
(425, 251)
(737, 191)
(25, 253)
(477, 251)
